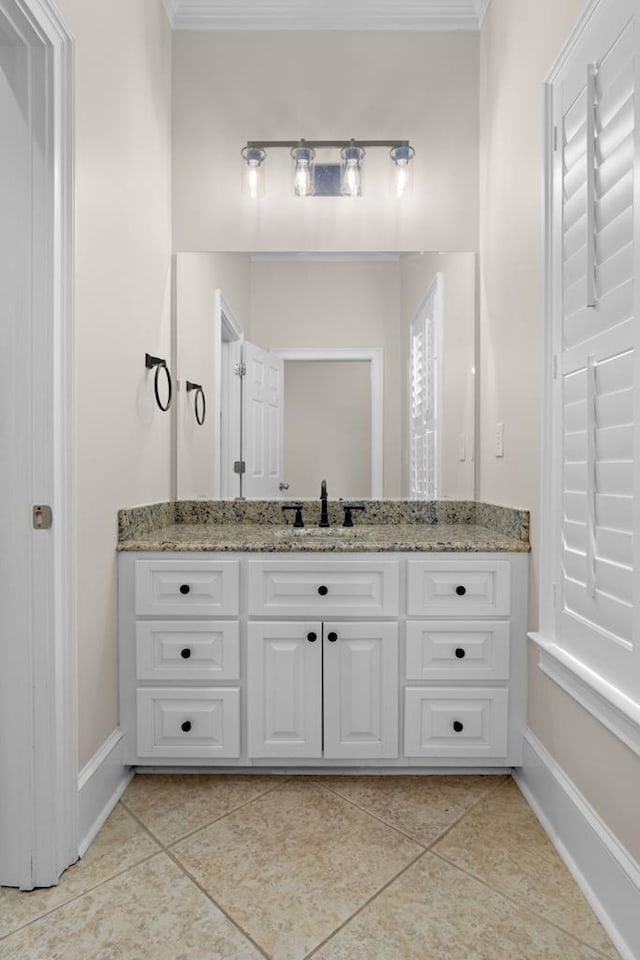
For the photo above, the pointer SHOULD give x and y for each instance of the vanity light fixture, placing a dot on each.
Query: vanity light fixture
(314, 179)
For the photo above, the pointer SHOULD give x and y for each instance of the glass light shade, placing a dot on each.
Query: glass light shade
(351, 183)
(402, 170)
(303, 171)
(253, 171)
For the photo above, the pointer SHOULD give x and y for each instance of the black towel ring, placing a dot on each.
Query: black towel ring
(201, 409)
(160, 364)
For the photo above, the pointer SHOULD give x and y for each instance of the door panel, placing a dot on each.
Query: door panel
(285, 689)
(360, 690)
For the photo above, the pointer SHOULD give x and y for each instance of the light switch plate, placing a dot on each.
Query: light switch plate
(499, 439)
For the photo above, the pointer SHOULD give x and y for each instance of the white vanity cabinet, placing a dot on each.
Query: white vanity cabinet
(380, 660)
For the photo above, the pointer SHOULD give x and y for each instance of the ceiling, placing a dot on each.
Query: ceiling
(326, 14)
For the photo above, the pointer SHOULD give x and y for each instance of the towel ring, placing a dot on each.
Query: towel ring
(201, 409)
(160, 364)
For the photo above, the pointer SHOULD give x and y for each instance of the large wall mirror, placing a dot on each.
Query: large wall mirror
(357, 369)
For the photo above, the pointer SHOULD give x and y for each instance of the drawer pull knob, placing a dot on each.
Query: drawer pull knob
(323, 591)
(186, 726)
(312, 637)
(457, 726)
(186, 653)
(461, 590)
(460, 653)
(185, 588)
(332, 637)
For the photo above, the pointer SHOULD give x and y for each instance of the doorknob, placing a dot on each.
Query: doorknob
(283, 486)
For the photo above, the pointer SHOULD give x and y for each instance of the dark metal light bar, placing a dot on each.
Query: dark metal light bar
(320, 144)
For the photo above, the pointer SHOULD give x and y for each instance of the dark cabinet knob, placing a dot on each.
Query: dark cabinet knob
(332, 637)
(457, 726)
(186, 726)
(461, 590)
(312, 637)
(323, 591)
(185, 588)
(460, 653)
(186, 653)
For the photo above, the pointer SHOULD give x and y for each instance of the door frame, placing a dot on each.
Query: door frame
(374, 357)
(39, 678)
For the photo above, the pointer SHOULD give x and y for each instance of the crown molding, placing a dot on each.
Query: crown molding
(325, 14)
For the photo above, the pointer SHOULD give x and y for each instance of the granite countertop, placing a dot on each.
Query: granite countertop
(258, 526)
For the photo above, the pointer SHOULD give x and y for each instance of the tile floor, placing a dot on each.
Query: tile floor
(337, 868)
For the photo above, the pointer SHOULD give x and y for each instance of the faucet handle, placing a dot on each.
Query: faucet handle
(348, 508)
(298, 507)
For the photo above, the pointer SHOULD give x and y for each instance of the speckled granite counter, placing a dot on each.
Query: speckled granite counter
(386, 526)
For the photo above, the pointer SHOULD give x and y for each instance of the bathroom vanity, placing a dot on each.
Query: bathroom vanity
(398, 643)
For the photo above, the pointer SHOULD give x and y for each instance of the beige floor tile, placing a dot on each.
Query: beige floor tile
(502, 843)
(295, 864)
(120, 844)
(151, 911)
(422, 807)
(436, 912)
(174, 805)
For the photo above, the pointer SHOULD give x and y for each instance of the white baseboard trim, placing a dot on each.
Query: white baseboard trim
(101, 783)
(608, 877)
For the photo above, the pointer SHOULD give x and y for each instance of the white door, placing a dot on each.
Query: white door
(38, 739)
(360, 690)
(285, 689)
(262, 423)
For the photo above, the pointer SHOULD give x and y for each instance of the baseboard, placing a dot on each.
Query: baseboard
(101, 783)
(608, 877)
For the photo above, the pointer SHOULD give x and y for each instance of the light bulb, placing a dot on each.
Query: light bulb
(352, 178)
(352, 157)
(402, 178)
(402, 155)
(302, 157)
(253, 171)
(252, 181)
(302, 179)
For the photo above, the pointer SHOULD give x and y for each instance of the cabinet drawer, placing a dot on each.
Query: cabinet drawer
(469, 722)
(324, 588)
(187, 587)
(187, 650)
(459, 588)
(458, 650)
(188, 723)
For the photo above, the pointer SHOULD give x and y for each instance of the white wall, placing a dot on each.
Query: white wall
(327, 429)
(520, 41)
(123, 244)
(230, 87)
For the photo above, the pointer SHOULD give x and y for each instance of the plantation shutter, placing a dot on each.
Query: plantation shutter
(423, 394)
(598, 400)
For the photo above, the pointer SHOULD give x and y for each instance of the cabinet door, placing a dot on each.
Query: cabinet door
(360, 690)
(285, 689)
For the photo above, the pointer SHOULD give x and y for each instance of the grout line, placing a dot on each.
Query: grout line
(516, 903)
(365, 905)
(426, 846)
(78, 896)
(203, 826)
(215, 903)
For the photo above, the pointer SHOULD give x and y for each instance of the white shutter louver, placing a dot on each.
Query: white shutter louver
(423, 399)
(599, 352)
